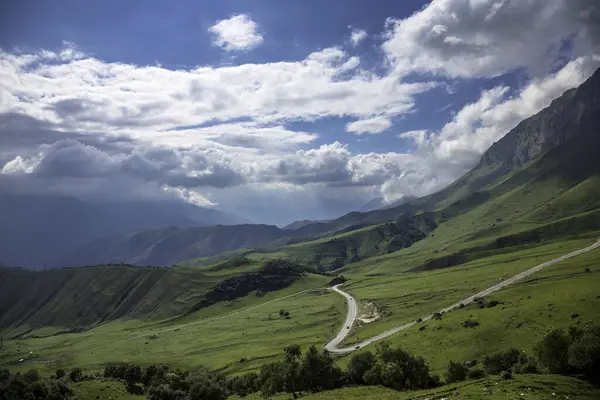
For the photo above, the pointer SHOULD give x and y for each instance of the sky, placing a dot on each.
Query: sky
(274, 110)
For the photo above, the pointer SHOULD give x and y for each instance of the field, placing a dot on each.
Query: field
(530, 308)
(237, 336)
(530, 387)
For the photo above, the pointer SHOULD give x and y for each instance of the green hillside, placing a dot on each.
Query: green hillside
(83, 297)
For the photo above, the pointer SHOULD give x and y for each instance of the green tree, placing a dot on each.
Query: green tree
(293, 350)
(270, 379)
(553, 352)
(358, 365)
(398, 369)
(60, 373)
(318, 372)
(584, 353)
(133, 374)
(76, 374)
(207, 391)
(456, 372)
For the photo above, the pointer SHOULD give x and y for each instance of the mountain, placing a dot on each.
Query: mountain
(372, 204)
(299, 224)
(168, 246)
(38, 229)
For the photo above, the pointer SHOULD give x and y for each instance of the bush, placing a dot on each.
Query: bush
(456, 372)
(506, 375)
(76, 374)
(552, 352)
(398, 369)
(60, 373)
(502, 361)
(357, 367)
(476, 374)
(164, 392)
(584, 353)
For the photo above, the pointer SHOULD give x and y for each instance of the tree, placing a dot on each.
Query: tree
(357, 367)
(502, 361)
(206, 391)
(293, 350)
(76, 374)
(398, 369)
(133, 374)
(31, 376)
(584, 353)
(270, 379)
(60, 373)
(456, 372)
(552, 352)
(318, 372)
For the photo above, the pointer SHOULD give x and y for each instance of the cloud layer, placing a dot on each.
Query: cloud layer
(72, 123)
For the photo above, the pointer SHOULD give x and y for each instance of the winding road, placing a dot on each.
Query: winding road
(332, 346)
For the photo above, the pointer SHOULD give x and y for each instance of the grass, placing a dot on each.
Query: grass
(103, 389)
(218, 337)
(530, 387)
(531, 307)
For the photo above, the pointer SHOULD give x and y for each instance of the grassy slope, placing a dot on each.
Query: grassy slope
(218, 336)
(91, 295)
(534, 387)
(543, 301)
(105, 389)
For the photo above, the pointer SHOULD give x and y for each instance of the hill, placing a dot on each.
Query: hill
(82, 297)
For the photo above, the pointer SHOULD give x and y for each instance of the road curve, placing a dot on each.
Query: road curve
(332, 346)
(352, 314)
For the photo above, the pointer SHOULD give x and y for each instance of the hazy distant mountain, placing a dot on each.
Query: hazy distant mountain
(299, 224)
(379, 203)
(170, 245)
(36, 230)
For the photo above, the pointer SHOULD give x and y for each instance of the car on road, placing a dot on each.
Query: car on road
(357, 347)
(348, 327)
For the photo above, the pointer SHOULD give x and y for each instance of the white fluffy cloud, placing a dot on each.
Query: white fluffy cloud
(486, 38)
(237, 33)
(370, 125)
(211, 134)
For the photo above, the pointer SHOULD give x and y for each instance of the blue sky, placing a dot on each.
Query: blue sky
(276, 109)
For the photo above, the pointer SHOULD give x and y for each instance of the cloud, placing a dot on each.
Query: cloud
(238, 33)
(487, 38)
(370, 125)
(90, 95)
(418, 136)
(357, 36)
(72, 123)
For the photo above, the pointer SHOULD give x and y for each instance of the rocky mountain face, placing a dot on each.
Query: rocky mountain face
(575, 113)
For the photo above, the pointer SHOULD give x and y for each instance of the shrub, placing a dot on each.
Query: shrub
(476, 374)
(357, 367)
(456, 372)
(584, 353)
(76, 374)
(502, 361)
(60, 373)
(31, 376)
(552, 352)
(506, 375)
(398, 369)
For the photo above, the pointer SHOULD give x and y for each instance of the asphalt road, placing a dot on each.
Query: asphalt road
(332, 346)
